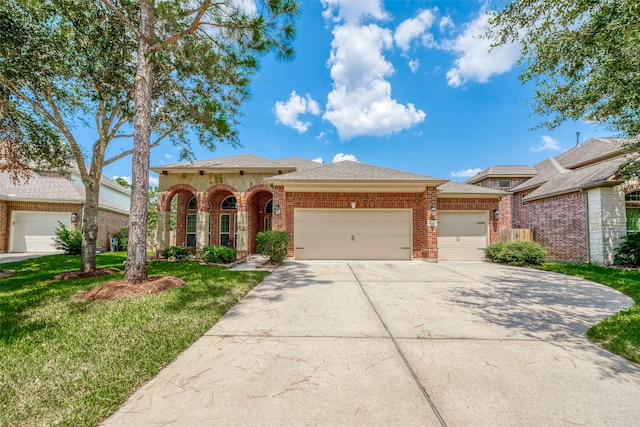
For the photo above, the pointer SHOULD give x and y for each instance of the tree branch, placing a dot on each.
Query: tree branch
(192, 28)
(123, 18)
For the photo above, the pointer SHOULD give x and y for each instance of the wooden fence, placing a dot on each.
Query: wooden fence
(516, 235)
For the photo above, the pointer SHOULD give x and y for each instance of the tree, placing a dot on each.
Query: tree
(194, 61)
(62, 62)
(123, 182)
(583, 57)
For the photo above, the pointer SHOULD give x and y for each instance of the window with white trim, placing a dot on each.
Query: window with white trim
(191, 220)
(229, 204)
(225, 229)
(504, 183)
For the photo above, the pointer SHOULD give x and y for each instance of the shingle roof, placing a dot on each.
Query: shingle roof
(458, 188)
(591, 151)
(599, 174)
(243, 161)
(503, 171)
(353, 171)
(47, 188)
(299, 163)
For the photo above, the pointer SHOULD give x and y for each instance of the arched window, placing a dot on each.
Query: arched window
(192, 204)
(268, 209)
(229, 203)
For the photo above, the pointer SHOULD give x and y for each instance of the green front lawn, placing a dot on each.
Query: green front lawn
(619, 333)
(73, 363)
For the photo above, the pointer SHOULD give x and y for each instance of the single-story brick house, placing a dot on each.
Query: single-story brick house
(345, 210)
(575, 203)
(30, 212)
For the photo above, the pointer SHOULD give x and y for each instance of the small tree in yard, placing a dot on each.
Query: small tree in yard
(628, 252)
(273, 244)
(68, 241)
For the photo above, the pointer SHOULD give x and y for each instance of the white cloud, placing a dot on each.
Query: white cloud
(153, 180)
(475, 61)
(413, 28)
(547, 143)
(320, 135)
(318, 160)
(351, 11)
(446, 23)
(414, 65)
(287, 112)
(168, 156)
(360, 102)
(340, 157)
(465, 173)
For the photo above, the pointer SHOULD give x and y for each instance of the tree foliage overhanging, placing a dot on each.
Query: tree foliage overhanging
(583, 57)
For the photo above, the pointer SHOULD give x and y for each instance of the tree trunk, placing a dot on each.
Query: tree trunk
(90, 226)
(136, 268)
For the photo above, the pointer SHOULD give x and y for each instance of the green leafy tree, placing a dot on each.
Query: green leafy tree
(64, 63)
(194, 61)
(583, 58)
(122, 182)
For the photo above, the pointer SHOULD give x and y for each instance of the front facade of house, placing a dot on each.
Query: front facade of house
(31, 212)
(345, 210)
(574, 203)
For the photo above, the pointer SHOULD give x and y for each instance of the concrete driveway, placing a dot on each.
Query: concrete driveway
(400, 343)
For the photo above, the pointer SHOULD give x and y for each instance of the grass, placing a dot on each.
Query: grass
(74, 363)
(619, 333)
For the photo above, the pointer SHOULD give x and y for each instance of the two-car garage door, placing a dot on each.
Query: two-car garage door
(34, 231)
(349, 234)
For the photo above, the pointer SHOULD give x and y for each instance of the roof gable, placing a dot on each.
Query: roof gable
(243, 161)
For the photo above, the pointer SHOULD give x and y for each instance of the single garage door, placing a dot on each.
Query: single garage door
(34, 231)
(348, 234)
(462, 235)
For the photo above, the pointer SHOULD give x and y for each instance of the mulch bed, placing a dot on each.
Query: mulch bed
(119, 289)
(84, 274)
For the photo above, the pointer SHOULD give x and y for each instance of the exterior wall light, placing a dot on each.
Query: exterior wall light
(277, 210)
(353, 205)
(433, 210)
(74, 217)
(496, 214)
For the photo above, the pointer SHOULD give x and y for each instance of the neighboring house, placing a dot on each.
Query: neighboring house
(344, 210)
(575, 203)
(30, 212)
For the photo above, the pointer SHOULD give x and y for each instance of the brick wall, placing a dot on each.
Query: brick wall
(481, 204)
(109, 223)
(4, 226)
(256, 216)
(559, 224)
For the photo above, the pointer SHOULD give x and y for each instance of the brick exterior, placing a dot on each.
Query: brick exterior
(559, 224)
(108, 222)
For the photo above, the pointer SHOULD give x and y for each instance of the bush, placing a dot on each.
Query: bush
(177, 252)
(69, 241)
(516, 253)
(218, 254)
(122, 238)
(628, 252)
(273, 244)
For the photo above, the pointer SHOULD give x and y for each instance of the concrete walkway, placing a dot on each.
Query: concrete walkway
(19, 256)
(400, 343)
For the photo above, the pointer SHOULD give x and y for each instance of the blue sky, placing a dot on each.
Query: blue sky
(401, 84)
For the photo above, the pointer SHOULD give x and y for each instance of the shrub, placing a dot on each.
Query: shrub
(516, 253)
(177, 252)
(273, 244)
(69, 241)
(218, 254)
(122, 238)
(628, 252)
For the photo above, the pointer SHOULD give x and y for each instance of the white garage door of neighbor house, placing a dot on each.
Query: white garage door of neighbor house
(462, 235)
(34, 231)
(350, 234)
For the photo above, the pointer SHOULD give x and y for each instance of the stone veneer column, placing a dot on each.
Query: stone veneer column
(202, 229)
(162, 231)
(607, 223)
(242, 238)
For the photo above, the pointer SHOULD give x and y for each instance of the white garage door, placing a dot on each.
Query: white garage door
(353, 234)
(462, 235)
(34, 231)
